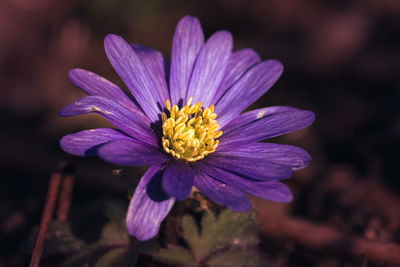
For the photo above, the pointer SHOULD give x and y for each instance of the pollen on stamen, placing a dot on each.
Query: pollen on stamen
(189, 133)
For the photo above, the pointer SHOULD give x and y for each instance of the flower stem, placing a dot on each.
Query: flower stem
(64, 201)
(52, 193)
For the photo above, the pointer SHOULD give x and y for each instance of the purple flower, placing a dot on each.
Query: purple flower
(170, 123)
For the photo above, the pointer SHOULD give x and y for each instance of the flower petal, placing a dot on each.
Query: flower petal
(294, 157)
(268, 126)
(210, 68)
(135, 124)
(239, 62)
(253, 115)
(85, 143)
(247, 90)
(148, 207)
(178, 180)
(222, 193)
(136, 76)
(95, 85)
(131, 153)
(188, 40)
(271, 190)
(156, 65)
(250, 168)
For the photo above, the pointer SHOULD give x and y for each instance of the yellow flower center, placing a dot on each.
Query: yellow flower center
(189, 133)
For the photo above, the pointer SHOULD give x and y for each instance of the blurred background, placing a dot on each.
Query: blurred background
(342, 61)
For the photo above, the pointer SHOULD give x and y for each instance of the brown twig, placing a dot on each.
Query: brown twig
(52, 194)
(64, 201)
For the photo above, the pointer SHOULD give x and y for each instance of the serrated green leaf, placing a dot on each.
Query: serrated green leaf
(190, 232)
(235, 258)
(118, 257)
(175, 255)
(230, 229)
(80, 259)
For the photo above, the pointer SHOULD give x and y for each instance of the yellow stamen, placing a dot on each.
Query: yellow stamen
(189, 133)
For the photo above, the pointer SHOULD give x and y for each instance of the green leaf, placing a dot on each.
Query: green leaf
(227, 240)
(114, 233)
(235, 258)
(80, 259)
(118, 257)
(60, 240)
(190, 232)
(175, 255)
(230, 229)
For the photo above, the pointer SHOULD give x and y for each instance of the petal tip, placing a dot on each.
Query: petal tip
(111, 36)
(308, 117)
(282, 193)
(250, 53)
(64, 112)
(188, 22)
(189, 19)
(277, 65)
(224, 37)
(111, 41)
(306, 161)
(68, 145)
(63, 142)
(77, 74)
(312, 116)
(73, 72)
(141, 235)
(224, 34)
(286, 198)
